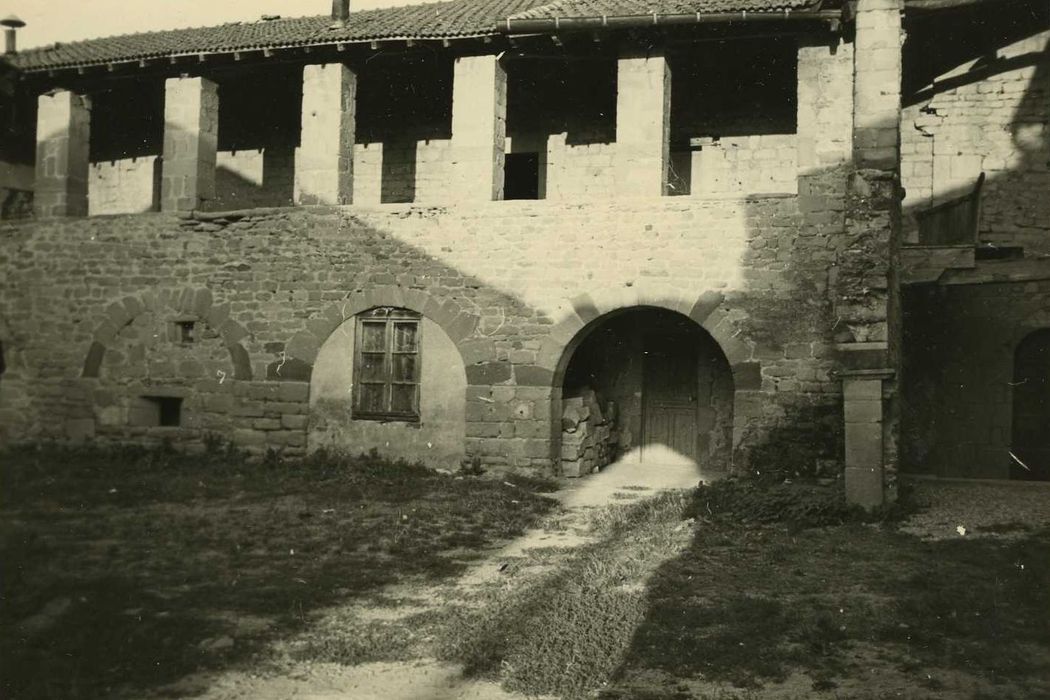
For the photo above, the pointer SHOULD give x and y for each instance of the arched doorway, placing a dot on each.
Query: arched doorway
(645, 384)
(1031, 408)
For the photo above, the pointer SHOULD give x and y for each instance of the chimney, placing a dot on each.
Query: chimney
(340, 11)
(11, 24)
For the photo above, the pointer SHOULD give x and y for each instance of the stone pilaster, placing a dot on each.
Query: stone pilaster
(63, 132)
(324, 161)
(643, 125)
(877, 84)
(825, 107)
(866, 293)
(479, 128)
(191, 128)
(862, 405)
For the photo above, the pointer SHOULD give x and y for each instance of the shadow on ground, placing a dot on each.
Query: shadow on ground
(128, 571)
(856, 609)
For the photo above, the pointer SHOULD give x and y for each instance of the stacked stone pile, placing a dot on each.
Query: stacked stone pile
(588, 439)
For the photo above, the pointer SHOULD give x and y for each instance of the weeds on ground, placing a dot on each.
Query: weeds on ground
(126, 569)
(782, 579)
(798, 504)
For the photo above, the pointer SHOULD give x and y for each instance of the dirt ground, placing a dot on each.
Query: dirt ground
(951, 511)
(625, 589)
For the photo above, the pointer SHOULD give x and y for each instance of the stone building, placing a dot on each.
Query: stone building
(740, 232)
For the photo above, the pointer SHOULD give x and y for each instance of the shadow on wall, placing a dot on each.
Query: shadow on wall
(771, 317)
(263, 177)
(958, 412)
(969, 73)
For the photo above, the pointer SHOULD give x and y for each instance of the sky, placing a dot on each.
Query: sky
(48, 21)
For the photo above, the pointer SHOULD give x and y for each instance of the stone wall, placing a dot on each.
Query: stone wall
(402, 170)
(733, 129)
(125, 186)
(258, 177)
(972, 119)
(437, 440)
(759, 164)
(581, 170)
(269, 288)
(16, 190)
(960, 341)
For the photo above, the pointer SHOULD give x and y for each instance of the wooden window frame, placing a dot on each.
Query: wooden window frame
(388, 317)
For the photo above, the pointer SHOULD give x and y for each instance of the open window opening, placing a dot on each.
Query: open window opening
(18, 105)
(403, 122)
(260, 115)
(156, 412)
(561, 125)
(521, 179)
(387, 364)
(733, 128)
(186, 331)
(126, 145)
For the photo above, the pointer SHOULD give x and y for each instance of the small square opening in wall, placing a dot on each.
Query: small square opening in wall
(156, 411)
(186, 331)
(521, 176)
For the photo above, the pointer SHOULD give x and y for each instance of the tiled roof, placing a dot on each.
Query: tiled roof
(450, 19)
(454, 18)
(565, 9)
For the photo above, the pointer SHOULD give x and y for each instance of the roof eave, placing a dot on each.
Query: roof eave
(555, 24)
(259, 48)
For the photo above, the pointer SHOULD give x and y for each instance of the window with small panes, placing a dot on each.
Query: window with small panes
(387, 365)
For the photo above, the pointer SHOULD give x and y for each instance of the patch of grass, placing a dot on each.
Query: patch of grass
(1004, 528)
(564, 633)
(127, 569)
(748, 501)
(756, 598)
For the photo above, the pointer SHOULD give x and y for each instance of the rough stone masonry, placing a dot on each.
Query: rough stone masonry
(181, 323)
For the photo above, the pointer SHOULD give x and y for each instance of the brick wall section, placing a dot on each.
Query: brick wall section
(749, 270)
(324, 160)
(996, 125)
(63, 132)
(191, 127)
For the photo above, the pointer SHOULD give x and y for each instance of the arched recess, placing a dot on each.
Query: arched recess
(1030, 437)
(301, 351)
(438, 438)
(188, 303)
(716, 335)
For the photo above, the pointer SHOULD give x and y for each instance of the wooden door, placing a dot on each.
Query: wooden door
(669, 394)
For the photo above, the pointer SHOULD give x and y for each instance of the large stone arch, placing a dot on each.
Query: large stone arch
(458, 323)
(438, 438)
(189, 301)
(583, 314)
